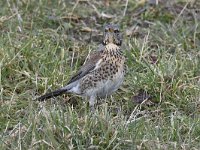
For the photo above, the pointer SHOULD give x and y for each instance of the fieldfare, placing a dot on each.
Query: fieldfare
(102, 73)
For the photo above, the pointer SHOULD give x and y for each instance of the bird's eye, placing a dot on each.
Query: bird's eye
(116, 31)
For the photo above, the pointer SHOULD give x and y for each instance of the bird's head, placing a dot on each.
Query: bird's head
(112, 34)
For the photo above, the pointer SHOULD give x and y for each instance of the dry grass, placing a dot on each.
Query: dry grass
(44, 42)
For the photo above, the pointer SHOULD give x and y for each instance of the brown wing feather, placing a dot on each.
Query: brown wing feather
(88, 66)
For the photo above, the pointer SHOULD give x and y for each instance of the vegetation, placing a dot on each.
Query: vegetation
(44, 42)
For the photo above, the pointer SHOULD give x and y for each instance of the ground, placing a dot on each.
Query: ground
(44, 42)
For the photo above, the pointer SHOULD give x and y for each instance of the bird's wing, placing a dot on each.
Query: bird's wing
(89, 65)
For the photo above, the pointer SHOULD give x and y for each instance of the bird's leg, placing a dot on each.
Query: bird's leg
(92, 101)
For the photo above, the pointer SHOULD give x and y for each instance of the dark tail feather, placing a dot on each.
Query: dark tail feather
(52, 94)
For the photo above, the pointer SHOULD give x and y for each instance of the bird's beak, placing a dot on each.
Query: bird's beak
(111, 30)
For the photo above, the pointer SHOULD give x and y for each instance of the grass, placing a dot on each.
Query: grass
(44, 42)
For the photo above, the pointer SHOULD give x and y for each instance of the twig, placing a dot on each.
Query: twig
(95, 9)
(180, 14)
(125, 8)
(75, 6)
(6, 18)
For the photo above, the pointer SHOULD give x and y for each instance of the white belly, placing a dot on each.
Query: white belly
(109, 86)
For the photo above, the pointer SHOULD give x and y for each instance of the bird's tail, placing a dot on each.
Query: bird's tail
(52, 94)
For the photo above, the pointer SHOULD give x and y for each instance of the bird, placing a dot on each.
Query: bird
(102, 73)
